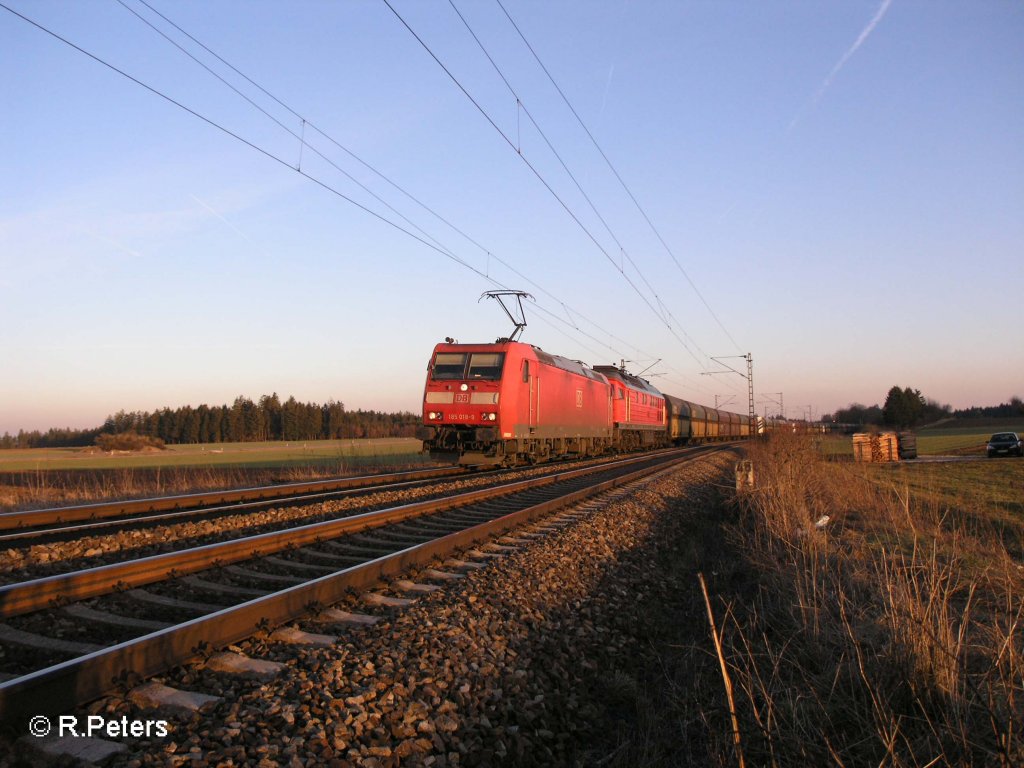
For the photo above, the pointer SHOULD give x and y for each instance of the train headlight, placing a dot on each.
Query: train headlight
(464, 387)
(490, 417)
(435, 415)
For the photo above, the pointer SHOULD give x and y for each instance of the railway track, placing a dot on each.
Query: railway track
(40, 524)
(156, 612)
(34, 553)
(23, 530)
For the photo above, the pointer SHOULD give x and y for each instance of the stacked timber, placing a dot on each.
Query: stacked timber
(876, 447)
(908, 445)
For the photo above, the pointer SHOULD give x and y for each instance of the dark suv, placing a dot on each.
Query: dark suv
(1005, 443)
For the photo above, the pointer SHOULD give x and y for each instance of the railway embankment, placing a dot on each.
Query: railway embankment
(24, 559)
(551, 654)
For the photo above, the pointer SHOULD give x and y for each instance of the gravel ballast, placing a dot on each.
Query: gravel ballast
(112, 545)
(540, 658)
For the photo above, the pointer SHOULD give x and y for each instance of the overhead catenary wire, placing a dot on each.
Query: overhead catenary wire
(306, 122)
(614, 171)
(266, 153)
(666, 314)
(271, 156)
(301, 137)
(315, 128)
(542, 180)
(520, 106)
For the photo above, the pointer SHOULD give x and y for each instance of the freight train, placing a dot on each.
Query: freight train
(512, 403)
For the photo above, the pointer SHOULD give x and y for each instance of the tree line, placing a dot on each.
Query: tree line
(244, 420)
(906, 407)
(1004, 410)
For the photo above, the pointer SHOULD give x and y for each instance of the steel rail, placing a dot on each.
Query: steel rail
(26, 596)
(44, 534)
(37, 517)
(63, 686)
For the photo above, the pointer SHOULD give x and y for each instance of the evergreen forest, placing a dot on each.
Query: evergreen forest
(245, 420)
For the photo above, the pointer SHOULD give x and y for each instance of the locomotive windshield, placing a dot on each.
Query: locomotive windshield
(486, 365)
(449, 365)
(458, 365)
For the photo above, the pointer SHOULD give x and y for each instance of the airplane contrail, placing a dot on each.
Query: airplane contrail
(861, 38)
(611, 68)
(236, 230)
(116, 243)
(856, 45)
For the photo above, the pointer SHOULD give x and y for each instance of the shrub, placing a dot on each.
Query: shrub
(128, 441)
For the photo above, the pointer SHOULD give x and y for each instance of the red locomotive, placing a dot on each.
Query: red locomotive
(638, 410)
(508, 403)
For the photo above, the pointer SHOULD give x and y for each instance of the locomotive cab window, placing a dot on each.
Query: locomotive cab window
(449, 365)
(486, 365)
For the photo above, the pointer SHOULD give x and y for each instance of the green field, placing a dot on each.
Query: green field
(960, 439)
(996, 486)
(269, 455)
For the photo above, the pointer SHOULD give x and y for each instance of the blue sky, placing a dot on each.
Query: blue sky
(842, 181)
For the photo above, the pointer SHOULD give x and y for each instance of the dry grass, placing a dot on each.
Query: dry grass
(890, 635)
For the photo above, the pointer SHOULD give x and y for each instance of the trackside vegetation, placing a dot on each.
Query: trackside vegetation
(836, 614)
(879, 621)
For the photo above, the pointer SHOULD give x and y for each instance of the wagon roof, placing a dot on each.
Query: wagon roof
(628, 379)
